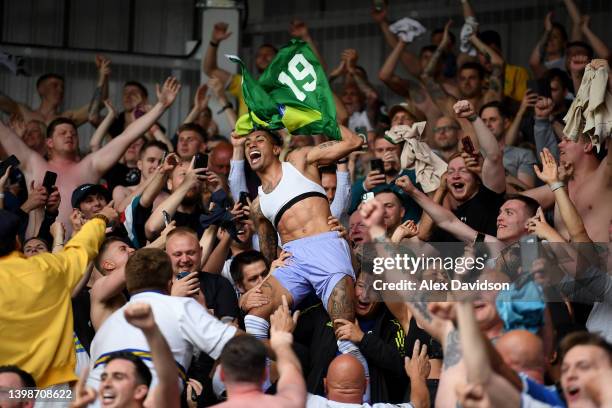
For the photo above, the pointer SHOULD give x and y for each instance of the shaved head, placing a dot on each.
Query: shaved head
(346, 381)
(523, 351)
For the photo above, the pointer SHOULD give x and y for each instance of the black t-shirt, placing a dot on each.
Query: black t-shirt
(121, 175)
(479, 212)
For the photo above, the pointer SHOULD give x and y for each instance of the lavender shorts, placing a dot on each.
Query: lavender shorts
(316, 263)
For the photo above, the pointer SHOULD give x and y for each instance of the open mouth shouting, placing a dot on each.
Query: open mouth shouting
(458, 187)
(254, 156)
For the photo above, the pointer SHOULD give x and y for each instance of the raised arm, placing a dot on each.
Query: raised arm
(537, 54)
(443, 217)
(95, 143)
(435, 58)
(200, 102)
(576, 18)
(209, 63)
(268, 238)
(155, 223)
(291, 387)
(408, 59)
(101, 92)
(8, 105)
(496, 78)
(387, 72)
(13, 144)
(529, 101)
(106, 157)
(572, 219)
(217, 88)
(330, 152)
(299, 29)
(600, 47)
(166, 393)
(493, 172)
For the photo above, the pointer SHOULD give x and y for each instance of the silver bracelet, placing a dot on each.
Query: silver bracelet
(556, 185)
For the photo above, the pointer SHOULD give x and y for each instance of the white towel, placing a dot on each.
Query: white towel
(469, 27)
(407, 29)
(428, 167)
(592, 107)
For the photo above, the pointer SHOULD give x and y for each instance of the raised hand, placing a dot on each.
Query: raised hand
(110, 108)
(407, 229)
(529, 100)
(549, 173)
(373, 214)
(538, 225)
(405, 184)
(280, 261)
(17, 124)
(548, 25)
(168, 92)
(473, 163)
(464, 109)
(298, 29)
(350, 56)
(194, 387)
(53, 202)
(418, 366)
(446, 36)
(379, 14)
(373, 179)
(220, 32)
(4, 178)
(103, 65)
(140, 315)
(37, 197)
(600, 63)
(282, 323)
(200, 101)
(544, 108)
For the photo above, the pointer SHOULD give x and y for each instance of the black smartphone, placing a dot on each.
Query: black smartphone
(201, 161)
(244, 200)
(49, 181)
(530, 251)
(12, 161)
(541, 86)
(377, 164)
(468, 146)
(167, 219)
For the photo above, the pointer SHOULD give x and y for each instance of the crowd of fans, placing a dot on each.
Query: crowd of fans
(149, 269)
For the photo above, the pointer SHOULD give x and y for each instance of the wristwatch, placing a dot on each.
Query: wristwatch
(226, 106)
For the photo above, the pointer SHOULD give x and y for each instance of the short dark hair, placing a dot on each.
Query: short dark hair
(275, 137)
(148, 268)
(491, 37)
(59, 121)
(532, 205)
(587, 47)
(243, 259)
(153, 143)
(50, 75)
(501, 108)
(584, 338)
(105, 244)
(194, 127)
(329, 169)
(26, 378)
(138, 85)
(44, 241)
(428, 48)
(143, 374)
(268, 45)
(475, 66)
(561, 29)
(559, 75)
(392, 190)
(243, 360)
(441, 31)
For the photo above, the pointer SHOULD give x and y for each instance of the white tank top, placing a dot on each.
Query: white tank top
(293, 187)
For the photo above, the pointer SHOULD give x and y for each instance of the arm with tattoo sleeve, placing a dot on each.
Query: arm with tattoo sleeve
(268, 238)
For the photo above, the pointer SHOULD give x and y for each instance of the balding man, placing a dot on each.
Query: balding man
(220, 158)
(523, 351)
(345, 383)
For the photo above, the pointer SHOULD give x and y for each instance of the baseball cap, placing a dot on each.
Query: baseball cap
(84, 190)
(400, 107)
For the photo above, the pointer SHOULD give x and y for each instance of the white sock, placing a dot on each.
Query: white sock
(259, 328)
(348, 347)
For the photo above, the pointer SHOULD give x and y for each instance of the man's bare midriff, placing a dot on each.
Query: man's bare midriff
(305, 218)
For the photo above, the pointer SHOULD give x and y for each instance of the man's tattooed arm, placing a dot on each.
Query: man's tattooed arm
(268, 238)
(496, 84)
(452, 350)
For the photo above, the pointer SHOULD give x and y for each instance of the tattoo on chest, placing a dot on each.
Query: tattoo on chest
(452, 351)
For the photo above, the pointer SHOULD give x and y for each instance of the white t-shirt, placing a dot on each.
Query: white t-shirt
(187, 327)
(316, 401)
(359, 119)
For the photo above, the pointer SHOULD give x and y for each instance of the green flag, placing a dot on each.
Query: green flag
(292, 93)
